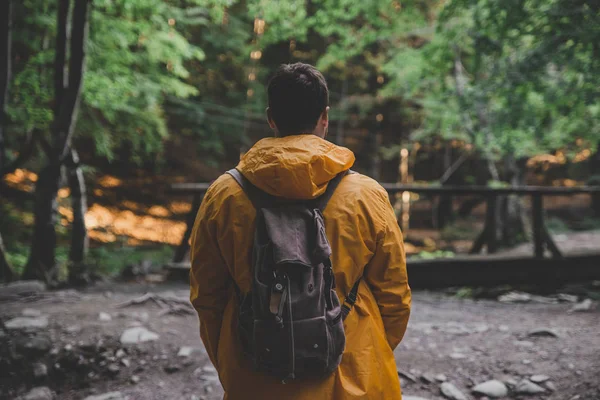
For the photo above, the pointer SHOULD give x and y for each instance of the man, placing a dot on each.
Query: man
(360, 225)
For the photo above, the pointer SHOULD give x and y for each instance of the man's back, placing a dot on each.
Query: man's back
(365, 240)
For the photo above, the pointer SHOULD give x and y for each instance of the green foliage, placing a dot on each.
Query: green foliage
(510, 77)
(432, 255)
(110, 260)
(137, 56)
(459, 230)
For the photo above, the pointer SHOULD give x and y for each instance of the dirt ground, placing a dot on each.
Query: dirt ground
(468, 341)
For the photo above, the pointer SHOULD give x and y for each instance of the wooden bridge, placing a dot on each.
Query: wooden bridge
(475, 269)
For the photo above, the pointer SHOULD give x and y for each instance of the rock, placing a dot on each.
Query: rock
(40, 370)
(35, 346)
(567, 298)
(104, 317)
(451, 392)
(38, 393)
(185, 351)
(585, 305)
(528, 387)
(523, 343)
(113, 369)
(134, 379)
(427, 378)
(27, 323)
(413, 398)
(551, 387)
(539, 378)
(543, 332)
(125, 362)
(73, 329)
(526, 361)
(493, 388)
(211, 370)
(515, 297)
(405, 375)
(458, 356)
(107, 396)
(32, 313)
(21, 288)
(120, 353)
(138, 334)
(172, 368)
(441, 378)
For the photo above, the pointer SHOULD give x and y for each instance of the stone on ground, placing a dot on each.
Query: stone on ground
(40, 370)
(104, 317)
(38, 393)
(27, 323)
(543, 332)
(539, 378)
(107, 396)
(451, 392)
(138, 334)
(528, 387)
(21, 288)
(413, 398)
(585, 305)
(185, 351)
(31, 312)
(441, 378)
(493, 388)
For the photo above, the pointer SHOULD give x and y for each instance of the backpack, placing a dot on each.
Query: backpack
(291, 323)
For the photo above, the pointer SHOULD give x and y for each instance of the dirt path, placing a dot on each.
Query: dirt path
(467, 341)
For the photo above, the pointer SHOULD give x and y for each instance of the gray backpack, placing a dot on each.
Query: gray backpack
(291, 323)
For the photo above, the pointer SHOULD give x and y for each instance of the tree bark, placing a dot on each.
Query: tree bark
(5, 71)
(6, 272)
(78, 270)
(511, 218)
(42, 261)
(444, 207)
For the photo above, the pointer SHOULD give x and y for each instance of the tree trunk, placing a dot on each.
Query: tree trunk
(5, 70)
(41, 264)
(42, 261)
(511, 218)
(78, 271)
(6, 272)
(444, 207)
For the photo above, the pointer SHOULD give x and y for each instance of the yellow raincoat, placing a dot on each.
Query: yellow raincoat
(365, 241)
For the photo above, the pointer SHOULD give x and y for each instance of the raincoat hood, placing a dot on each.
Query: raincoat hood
(294, 167)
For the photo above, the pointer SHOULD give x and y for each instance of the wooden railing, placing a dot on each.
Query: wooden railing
(541, 236)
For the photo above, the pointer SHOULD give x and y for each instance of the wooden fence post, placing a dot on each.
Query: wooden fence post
(538, 224)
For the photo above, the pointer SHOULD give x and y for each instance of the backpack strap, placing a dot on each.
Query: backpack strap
(321, 201)
(350, 300)
(259, 198)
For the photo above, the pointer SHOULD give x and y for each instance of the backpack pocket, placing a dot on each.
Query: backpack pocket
(302, 348)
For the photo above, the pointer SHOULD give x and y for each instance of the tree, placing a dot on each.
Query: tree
(67, 89)
(511, 78)
(6, 272)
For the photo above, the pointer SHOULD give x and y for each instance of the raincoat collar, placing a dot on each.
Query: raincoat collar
(296, 166)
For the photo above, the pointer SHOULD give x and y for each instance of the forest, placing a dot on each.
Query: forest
(151, 92)
(107, 107)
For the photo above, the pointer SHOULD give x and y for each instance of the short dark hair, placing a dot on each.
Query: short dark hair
(298, 95)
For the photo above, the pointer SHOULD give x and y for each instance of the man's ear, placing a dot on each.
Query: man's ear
(325, 117)
(270, 119)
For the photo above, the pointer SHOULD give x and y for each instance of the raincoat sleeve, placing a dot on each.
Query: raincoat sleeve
(386, 272)
(209, 276)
